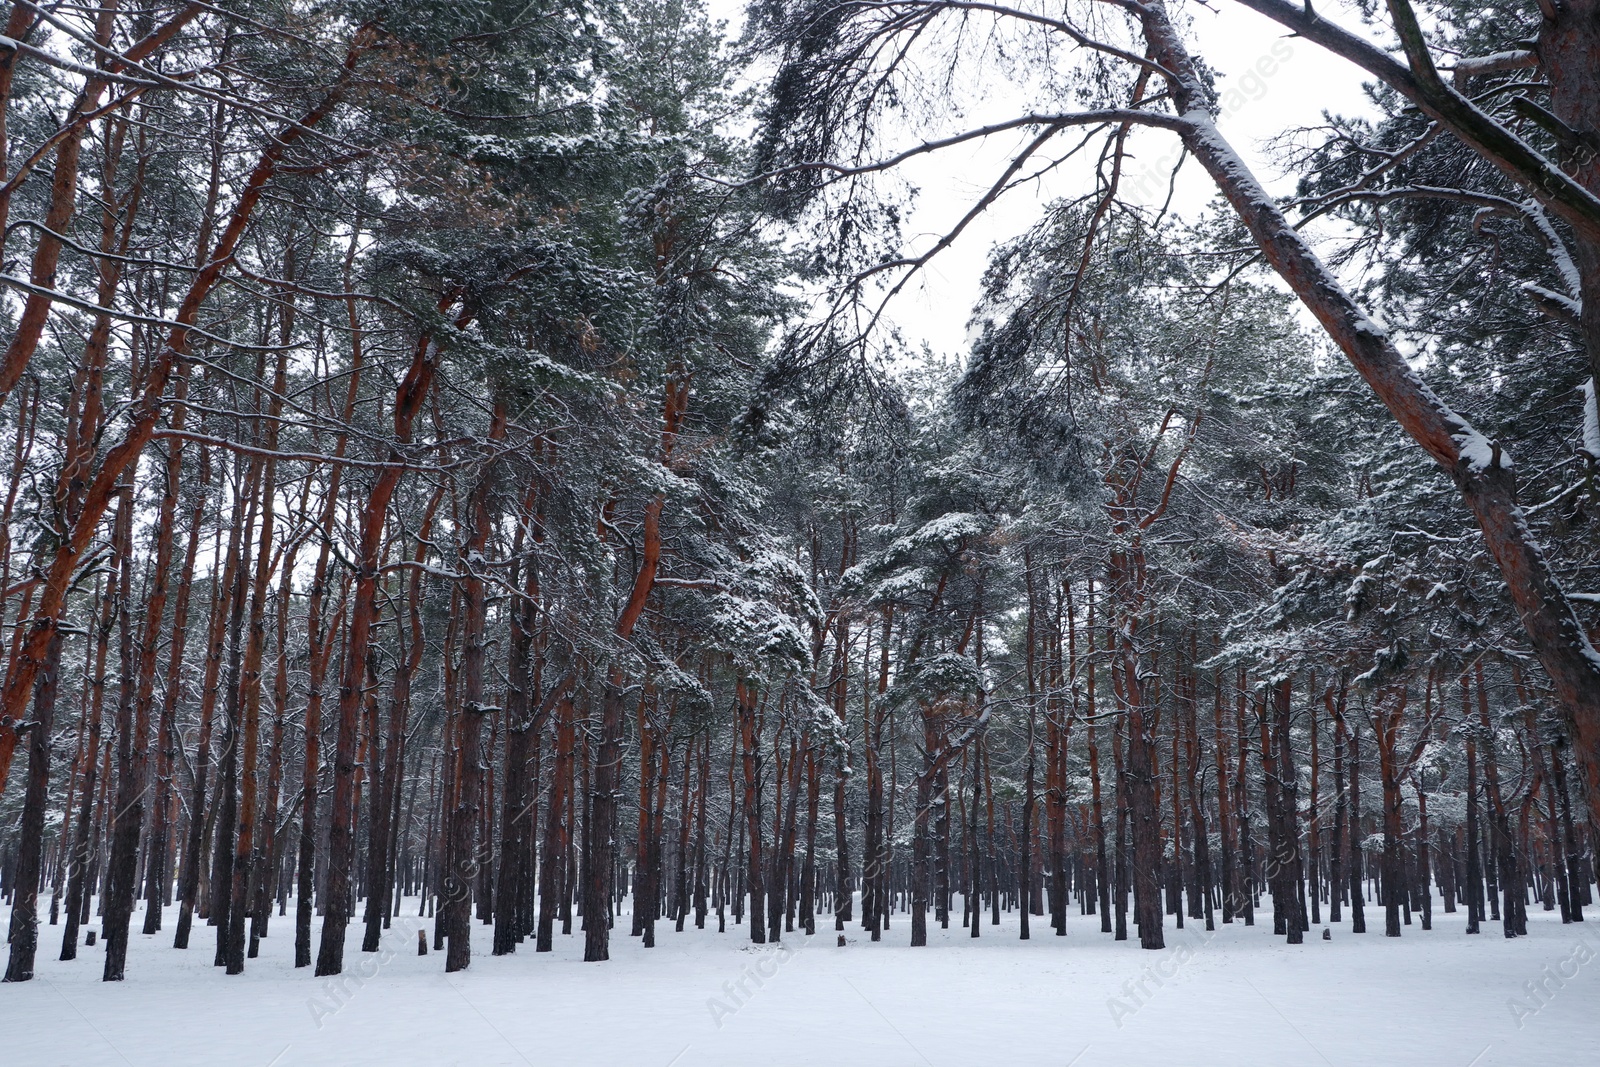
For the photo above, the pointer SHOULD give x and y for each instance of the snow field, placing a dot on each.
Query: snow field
(1236, 997)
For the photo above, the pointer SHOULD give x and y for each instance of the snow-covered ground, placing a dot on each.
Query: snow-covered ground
(1237, 997)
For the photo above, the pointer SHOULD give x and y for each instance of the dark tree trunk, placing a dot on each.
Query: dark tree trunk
(1290, 861)
(24, 929)
(750, 754)
(1358, 913)
(131, 735)
(600, 828)
(78, 877)
(552, 880)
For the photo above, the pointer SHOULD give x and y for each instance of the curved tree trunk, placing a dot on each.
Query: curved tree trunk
(1482, 474)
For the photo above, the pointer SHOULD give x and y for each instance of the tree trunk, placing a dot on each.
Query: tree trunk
(1483, 477)
(24, 929)
(167, 740)
(144, 412)
(413, 390)
(131, 759)
(750, 755)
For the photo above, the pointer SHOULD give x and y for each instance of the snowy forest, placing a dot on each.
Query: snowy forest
(472, 488)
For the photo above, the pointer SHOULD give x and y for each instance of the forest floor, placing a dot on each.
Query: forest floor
(1238, 997)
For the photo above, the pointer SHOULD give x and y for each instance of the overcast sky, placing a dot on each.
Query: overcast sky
(1279, 83)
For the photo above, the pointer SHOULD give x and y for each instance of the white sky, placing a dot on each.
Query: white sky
(1233, 40)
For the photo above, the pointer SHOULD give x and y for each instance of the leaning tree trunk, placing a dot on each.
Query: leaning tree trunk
(143, 413)
(1482, 475)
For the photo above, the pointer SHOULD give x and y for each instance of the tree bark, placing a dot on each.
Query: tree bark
(24, 929)
(145, 411)
(409, 398)
(1481, 472)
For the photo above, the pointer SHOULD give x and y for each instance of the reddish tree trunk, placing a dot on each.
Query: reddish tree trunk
(409, 399)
